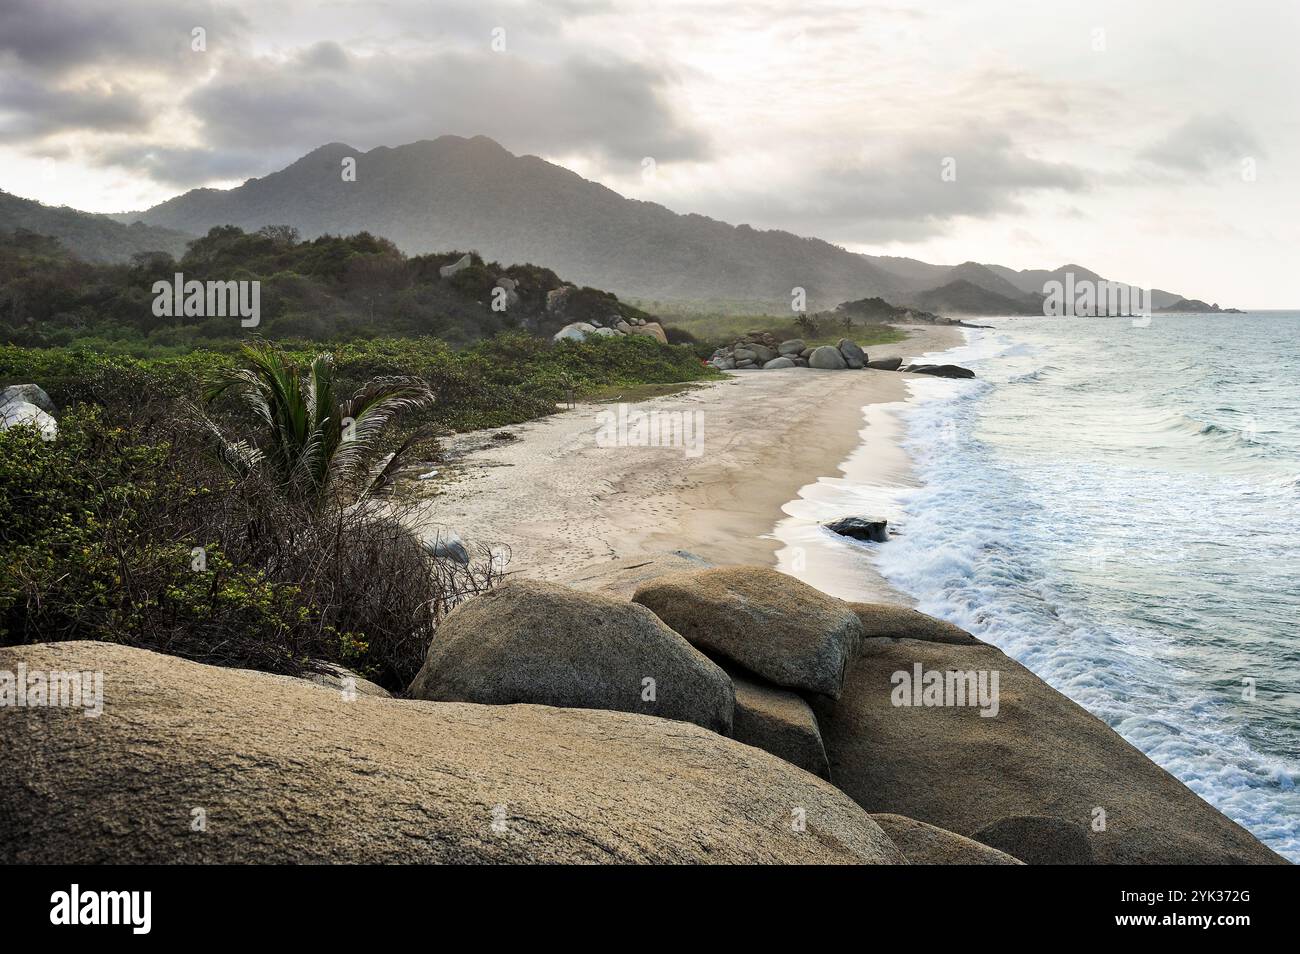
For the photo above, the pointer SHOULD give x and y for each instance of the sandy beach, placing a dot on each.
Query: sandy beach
(561, 498)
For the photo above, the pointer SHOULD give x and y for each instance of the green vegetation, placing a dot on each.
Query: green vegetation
(333, 288)
(315, 448)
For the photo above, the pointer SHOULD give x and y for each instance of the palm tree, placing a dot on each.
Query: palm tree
(317, 449)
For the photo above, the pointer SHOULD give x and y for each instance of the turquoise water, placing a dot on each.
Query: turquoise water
(1118, 508)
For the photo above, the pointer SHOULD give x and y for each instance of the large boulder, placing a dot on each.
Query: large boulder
(1041, 754)
(771, 624)
(528, 641)
(792, 347)
(827, 358)
(854, 356)
(884, 620)
(886, 364)
(762, 353)
(197, 764)
(651, 329)
(576, 331)
(927, 845)
(860, 528)
(20, 412)
(777, 363)
(1039, 840)
(29, 393)
(777, 721)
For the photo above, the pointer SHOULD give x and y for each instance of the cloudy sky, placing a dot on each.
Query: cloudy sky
(1155, 142)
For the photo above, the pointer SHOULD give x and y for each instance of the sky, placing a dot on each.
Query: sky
(1154, 142)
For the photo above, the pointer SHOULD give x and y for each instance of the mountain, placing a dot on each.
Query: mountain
(452, 192)
(94, 238)
(964, 297)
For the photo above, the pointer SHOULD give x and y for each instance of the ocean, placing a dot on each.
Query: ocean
(1118, 508)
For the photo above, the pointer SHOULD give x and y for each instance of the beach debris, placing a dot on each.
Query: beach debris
(428, 475)
(860, 528)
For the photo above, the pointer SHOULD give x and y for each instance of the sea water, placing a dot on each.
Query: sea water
(1116, 505)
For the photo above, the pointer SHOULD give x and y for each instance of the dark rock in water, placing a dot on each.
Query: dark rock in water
(886, 364)
(877, 531)
(941, 370)
(1039, 840)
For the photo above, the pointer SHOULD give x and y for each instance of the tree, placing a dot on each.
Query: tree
(318, 450)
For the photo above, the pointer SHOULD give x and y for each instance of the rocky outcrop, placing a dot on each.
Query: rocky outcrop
(885, 620)
(531, 642)
(860, 528)
(1039, 840)
(777, 721)
(927, 845)
(885, 364)
(30, 394)
(771, 624)
(827, 358)
(196, 764)
(1040, 754)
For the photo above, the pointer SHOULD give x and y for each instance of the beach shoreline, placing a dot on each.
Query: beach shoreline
(561, 500)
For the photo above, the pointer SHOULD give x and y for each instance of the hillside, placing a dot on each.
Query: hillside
(95, 238)
(327, 289)
(964, 297)
(452, 192)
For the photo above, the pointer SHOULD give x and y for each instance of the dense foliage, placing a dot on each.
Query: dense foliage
(333, 288)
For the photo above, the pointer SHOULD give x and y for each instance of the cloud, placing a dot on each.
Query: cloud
(604, 106)
(32, 110)
(1202, 143)
(899, 192)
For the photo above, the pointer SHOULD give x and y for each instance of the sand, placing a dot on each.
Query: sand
(561, 498)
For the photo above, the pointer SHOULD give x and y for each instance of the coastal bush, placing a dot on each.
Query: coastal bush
(105, 534)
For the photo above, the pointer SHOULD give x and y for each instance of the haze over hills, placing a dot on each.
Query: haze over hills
(452, 192)
(95, 238)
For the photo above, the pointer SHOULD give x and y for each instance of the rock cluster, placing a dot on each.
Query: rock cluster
(761, 351)
(613, 327)
(724, 715)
